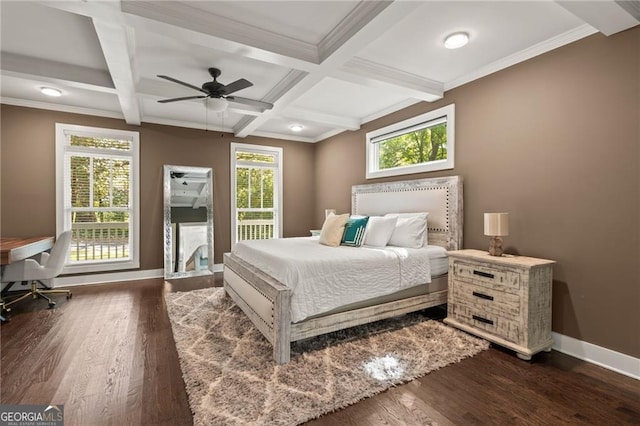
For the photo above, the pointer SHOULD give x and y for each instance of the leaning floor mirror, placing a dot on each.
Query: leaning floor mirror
(188, 221)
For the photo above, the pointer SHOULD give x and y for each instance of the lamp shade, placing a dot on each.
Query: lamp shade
(217, 104)
(496, 224)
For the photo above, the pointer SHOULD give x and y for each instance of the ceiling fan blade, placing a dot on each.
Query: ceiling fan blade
(252, 102)
(183, 83)
(164, 101)
(236, 85)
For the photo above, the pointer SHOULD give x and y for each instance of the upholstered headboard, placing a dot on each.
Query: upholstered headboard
(440, 197)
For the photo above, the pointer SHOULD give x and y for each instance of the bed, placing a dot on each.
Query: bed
(267, 301)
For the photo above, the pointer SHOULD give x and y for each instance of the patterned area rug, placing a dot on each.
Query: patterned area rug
(231, 379)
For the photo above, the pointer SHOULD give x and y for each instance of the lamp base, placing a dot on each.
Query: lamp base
(495, 246)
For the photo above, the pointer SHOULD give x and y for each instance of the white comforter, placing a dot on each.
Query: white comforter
(323, 278)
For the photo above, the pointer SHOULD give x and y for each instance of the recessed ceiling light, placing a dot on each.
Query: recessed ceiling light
(456, 40)
(50, 91)
(296, 127)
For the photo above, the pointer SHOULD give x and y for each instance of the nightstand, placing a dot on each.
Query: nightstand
(503, 299)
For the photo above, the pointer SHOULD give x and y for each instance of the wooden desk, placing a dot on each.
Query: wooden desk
(14, 249)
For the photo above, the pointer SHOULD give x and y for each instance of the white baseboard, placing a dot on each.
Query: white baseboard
(611, 360)
(112, 277)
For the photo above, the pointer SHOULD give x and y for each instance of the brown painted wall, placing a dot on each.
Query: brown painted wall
(28, 176)
(554, 141)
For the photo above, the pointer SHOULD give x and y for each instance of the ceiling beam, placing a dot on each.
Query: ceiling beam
(371, 74)
(607, 16)
(374, 19)
(115, 45)
(114, 39)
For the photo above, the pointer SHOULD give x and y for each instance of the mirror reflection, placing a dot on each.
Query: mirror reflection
(188, 221)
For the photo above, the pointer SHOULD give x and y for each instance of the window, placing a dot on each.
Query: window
(97, 197)
(420, 144)
(256, 192)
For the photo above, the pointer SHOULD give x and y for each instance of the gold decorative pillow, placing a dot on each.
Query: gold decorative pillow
(332, 229)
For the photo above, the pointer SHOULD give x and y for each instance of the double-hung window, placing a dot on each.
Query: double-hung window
(97, 197)
(256, 192)
(420, 144)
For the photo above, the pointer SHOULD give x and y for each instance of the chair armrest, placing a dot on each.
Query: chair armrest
(44, 258)
(19, 271)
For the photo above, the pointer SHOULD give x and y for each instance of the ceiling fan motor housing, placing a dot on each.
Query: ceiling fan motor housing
(214, 88)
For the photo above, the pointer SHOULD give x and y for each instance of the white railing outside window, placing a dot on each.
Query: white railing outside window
(255, 229)
(99, 241)
(256, 192)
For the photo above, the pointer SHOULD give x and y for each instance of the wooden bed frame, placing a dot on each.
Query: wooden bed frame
(267, 302)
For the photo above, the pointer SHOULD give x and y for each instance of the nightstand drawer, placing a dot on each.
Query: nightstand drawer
(493, 277)
(487, 321)
(486, 299)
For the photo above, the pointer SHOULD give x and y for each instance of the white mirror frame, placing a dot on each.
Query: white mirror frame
(169, 235)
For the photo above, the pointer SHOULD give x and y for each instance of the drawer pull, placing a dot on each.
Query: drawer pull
(484, 320)
(483, 274)
(482, 296)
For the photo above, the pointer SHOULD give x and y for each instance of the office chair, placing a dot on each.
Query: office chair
(32, 271)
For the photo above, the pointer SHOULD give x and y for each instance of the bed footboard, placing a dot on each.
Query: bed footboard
(265, 301)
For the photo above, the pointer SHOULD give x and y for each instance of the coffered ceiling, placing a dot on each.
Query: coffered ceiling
(328, 66)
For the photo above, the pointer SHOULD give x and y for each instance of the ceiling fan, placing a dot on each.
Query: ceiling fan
(215, 90)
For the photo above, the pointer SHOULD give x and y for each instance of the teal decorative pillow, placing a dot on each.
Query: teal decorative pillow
(354, 231)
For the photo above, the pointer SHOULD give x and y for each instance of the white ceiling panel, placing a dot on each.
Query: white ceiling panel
(34, 30)
(328, 65)
(347, 99)
(281, 126)
(496, 30)
(29, 90)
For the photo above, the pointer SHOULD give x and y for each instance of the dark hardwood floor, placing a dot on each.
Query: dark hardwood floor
(108, 356)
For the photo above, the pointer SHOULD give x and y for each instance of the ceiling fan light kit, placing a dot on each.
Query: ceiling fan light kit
(217, 104)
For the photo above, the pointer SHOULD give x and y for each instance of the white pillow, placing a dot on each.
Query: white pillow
(410, 230)
(379, 230)
(332, 229)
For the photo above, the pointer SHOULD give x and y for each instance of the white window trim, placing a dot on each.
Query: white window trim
(271, 150)
(61, 222)
(447, 112)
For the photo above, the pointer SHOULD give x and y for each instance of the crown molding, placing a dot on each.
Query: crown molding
(560, 40)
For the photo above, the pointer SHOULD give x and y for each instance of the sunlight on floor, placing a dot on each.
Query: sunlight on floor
(384, 368)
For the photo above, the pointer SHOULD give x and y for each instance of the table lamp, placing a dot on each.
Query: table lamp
(496, 226)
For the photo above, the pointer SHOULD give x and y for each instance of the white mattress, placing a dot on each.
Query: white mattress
(323, 278)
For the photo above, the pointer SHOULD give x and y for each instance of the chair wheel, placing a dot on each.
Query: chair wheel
(52, 304)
